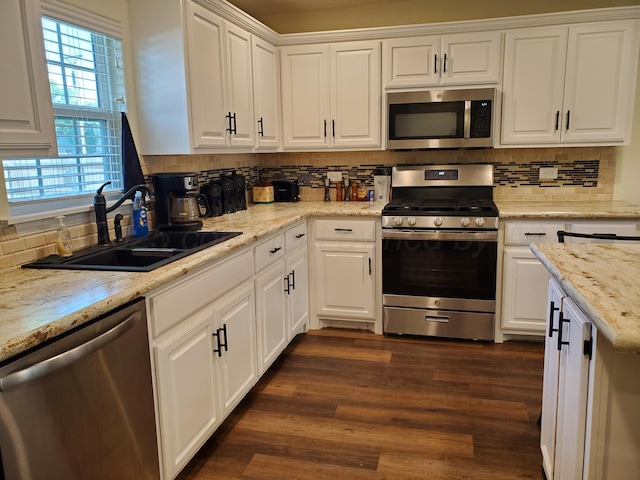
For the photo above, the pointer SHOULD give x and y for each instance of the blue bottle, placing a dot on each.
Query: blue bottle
(140, 226)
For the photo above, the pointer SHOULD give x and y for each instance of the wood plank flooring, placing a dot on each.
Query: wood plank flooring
(343, 404)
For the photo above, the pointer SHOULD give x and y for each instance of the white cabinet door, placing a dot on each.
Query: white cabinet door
(345, 280)
(266, 94)
(355, 94)
(574, 330)
(533, 81)
(551, 379)
(297, 270)
(599, 88)
(460, 59)
(235, 342)
(470, 58)
(305, 96)
(186, 391)
(239, 86)
(206, 77)
(26, 113)
(410, 62)
(270, 314)
(331, 96)
(524, 291)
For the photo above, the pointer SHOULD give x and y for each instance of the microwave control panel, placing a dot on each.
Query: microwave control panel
(480, 119)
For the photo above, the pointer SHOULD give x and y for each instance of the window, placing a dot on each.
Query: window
(87, 89)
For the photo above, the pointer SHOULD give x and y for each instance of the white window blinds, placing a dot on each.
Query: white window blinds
(87, 88)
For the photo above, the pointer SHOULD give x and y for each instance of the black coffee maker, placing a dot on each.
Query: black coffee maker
(178, 204)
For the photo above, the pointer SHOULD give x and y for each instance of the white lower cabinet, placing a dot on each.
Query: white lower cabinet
(297, 268)
(345, 277)
(590, 418)
(524, 278)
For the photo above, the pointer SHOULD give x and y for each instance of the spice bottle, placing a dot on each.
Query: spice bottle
(354, 190)
(339, 196)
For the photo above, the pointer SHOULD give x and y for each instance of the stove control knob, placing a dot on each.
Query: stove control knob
(479, 221)
(411, 221)
(438, 221)
(397, 221)
(465, 222)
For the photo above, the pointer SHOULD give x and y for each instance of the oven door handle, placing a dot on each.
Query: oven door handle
(461, 235)
(437, 318)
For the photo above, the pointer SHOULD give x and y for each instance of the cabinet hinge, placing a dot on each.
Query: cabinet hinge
(588, 347)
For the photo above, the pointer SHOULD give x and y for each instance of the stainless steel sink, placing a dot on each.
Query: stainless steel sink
(138, 254)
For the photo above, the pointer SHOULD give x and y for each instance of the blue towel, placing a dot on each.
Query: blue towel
(131, 169)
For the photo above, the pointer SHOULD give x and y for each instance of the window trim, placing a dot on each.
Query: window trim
(25, 212)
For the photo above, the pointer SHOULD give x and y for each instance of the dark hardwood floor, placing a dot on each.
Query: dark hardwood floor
(342, 404)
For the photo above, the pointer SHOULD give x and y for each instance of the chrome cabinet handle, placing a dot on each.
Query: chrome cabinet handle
(63, 359)
(436, 318)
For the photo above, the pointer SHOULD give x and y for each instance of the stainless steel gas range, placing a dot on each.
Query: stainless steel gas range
(439, 252)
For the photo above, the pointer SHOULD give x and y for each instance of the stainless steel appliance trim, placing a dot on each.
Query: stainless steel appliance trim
(61, 360)
(461, 235)
(480, 175)
(428, 143)
(410, 321)
(467, 119)
(389, 221)
(440, 303)
(436, 96)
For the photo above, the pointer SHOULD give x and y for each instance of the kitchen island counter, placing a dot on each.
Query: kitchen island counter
(584, 210)
(37, 305)
(602, 279)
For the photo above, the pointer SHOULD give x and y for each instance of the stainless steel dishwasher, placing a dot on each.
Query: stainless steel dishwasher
(81, 406)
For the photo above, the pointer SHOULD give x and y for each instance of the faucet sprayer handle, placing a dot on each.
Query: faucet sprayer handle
(99, 192)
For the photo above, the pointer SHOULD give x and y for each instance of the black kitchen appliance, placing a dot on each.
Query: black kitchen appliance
(286, 190)
(439, 257)
(176, 193)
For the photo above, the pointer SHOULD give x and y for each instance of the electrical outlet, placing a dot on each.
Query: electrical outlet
(335, 176)
(548, 173)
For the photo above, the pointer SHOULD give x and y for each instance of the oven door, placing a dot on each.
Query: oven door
(440, 283)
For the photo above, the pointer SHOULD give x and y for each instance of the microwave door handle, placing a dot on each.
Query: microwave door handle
(467, 119)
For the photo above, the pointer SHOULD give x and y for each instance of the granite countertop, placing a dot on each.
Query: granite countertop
(577, 209)
(603, 281)
(37, 305)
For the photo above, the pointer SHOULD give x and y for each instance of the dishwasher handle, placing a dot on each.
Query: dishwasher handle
(40, 369)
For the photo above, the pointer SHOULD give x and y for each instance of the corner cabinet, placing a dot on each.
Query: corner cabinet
(208, 63)
(590, 419)
(345, 276)
(460, 59)
(26, 112)
(570, 85)
(331, 96)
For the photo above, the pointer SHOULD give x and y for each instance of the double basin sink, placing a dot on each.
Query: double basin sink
(137, 254)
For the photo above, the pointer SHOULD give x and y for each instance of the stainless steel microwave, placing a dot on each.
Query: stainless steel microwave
(441, 119)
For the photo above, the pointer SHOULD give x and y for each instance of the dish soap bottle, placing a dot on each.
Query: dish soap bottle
(140, 226)
(63, 242)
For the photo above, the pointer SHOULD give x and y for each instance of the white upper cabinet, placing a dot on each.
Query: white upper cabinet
(570, 85)
(331, 95)
(460, 59)
(26, 113)
(193, 77)
(266, 94)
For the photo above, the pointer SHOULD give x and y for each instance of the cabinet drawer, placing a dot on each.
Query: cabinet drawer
(296, 237)
(352, 230)
(269, 251)
(524, 233)
(176, 303)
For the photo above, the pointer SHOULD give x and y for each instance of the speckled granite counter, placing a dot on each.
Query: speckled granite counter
(585, 210)
(603, 281)
(36, 305)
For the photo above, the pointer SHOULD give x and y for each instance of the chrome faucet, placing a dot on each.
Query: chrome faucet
(100, 207)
